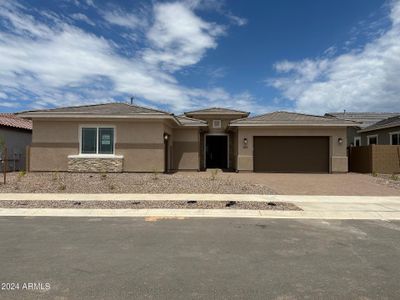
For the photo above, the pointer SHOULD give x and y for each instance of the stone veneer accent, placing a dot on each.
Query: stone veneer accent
(95, 164)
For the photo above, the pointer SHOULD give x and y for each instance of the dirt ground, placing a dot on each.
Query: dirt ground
(183, 182)
(349, 184)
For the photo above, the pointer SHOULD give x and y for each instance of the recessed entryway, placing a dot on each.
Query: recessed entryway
(216, 151)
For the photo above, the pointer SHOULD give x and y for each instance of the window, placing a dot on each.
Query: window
(357, 141)
(395, 138)
(216, 123)
(97, 140)
(372, 140)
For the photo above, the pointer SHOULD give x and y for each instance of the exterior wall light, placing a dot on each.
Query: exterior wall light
(166, 137)
(245, 142)
(340, 141)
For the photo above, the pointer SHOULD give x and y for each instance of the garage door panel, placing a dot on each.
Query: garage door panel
(291, 154)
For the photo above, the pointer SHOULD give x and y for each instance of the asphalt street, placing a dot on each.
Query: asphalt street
(135, 258)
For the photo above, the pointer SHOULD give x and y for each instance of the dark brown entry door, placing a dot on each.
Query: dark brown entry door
(291, 154)
(217, 151)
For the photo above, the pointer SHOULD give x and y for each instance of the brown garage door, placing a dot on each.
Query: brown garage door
(292, 154)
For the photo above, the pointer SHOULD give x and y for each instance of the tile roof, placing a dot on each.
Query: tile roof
(290, 118)
(217, 110)
(186, 121)
(386, 123)
(365, 118)
(11, 120)
(101, 109)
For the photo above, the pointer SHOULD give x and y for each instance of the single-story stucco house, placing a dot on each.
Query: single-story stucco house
(119, 137)
(16, 135)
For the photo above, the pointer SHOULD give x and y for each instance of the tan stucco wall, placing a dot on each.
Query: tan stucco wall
(338, 153)
(141, 144)
(16, 141)
(186, 146)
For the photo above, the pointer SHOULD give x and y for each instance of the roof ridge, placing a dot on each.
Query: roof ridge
(94, 105)
(364, 112)
(288, 112)
(216, 107)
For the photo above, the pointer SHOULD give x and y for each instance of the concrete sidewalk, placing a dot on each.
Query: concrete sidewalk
(314, 207)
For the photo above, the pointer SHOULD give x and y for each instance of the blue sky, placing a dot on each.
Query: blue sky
(309, 56)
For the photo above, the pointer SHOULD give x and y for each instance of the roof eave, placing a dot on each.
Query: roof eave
(378, 128)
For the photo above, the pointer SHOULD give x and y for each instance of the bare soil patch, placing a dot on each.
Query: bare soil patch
(167, 204)
(193, 182)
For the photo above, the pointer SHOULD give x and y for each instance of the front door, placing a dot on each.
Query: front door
(217, 151)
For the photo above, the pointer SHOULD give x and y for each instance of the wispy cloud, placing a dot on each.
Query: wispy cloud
(359, 80)
(48, 61)
(83, 18)
(123, 19)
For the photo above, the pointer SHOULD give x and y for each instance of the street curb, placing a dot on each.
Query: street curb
(200, 197)
(198, 213)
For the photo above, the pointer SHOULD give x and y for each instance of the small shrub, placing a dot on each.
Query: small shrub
(20, 175)
(374, 174)
(155, 174)
(54, 176)
(214, 174)
(394, 177)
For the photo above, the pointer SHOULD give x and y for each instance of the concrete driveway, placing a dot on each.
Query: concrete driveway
(349, 184)
(128, 258)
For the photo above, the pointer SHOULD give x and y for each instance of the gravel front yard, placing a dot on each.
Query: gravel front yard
(199, 182)
(168, 204)
(389, 180)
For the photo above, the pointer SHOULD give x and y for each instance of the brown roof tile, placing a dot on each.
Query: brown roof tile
(101, 109)
(386, 123)
(11, 120)
(291, 118)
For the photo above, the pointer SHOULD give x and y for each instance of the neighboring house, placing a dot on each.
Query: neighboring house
(17, 135)
(118, 137)
(362, 120)
(385, 132)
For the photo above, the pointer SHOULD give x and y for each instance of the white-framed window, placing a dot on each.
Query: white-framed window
(217, 123)
(357, 141)
(372, 139)
(394, 138)
(96, 140)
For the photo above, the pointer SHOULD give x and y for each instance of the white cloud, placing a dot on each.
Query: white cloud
(239, 21)
(361, 80)
(60, 64)
(178, 37)
(123, 19)
(83, 18)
